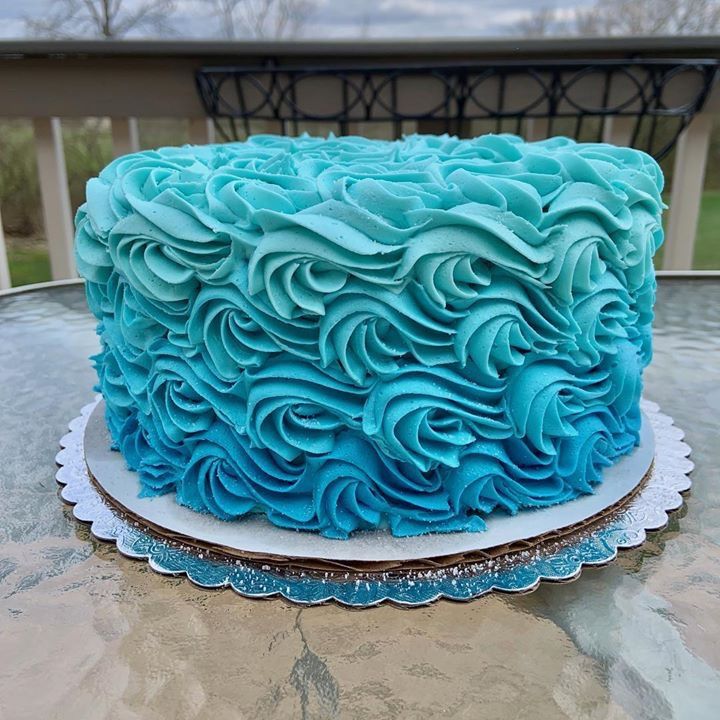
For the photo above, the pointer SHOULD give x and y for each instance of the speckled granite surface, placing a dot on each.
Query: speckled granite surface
(87, 634)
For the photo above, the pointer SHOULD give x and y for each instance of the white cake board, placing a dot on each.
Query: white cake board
(258, 536)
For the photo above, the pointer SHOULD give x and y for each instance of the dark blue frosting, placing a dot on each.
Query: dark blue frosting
(346, 333)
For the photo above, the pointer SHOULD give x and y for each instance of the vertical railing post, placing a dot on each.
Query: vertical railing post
(537, 128)
(618, 129)
(686, 195)
(55, 195)
(201, 131)
(125, 135)
(5, 282)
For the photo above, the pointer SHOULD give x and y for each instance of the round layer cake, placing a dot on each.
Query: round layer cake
(347, 334)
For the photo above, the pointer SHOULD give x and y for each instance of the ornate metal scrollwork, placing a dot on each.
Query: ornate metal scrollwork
(659, 97)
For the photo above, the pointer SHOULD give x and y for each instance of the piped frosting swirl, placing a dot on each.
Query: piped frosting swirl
(344, 333)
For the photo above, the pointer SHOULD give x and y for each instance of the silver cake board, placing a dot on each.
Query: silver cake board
(557, 557)
(255, 535)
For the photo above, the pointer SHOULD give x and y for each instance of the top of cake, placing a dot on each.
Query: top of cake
(409, 332)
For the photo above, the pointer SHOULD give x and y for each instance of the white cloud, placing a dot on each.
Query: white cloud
(427, 8)
(12, 28)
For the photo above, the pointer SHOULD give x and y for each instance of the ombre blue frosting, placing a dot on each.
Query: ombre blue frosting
(346, 334)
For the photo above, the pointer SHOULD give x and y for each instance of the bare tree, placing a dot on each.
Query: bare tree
(539, 24)
(628, 17)
(261, 18)
(102, 18)
(365, 24)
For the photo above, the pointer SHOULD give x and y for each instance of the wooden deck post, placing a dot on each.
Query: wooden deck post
(537, 129)
(688, 182)
(125, 135)
(201, 131)
(5, 281)
(618, 129)
(57, 213)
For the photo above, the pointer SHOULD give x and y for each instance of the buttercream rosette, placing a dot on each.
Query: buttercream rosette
(347, 334)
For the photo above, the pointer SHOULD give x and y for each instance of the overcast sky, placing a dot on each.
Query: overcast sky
(344, 18)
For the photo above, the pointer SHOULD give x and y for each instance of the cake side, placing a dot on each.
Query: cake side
(345, 334)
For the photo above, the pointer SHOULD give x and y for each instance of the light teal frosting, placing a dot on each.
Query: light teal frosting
(344, 333)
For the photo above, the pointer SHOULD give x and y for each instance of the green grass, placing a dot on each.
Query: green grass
(707, 244)
(29, 260)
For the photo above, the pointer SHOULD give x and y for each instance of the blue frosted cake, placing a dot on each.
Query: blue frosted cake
(347, 334)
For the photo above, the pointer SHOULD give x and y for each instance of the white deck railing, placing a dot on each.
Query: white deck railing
(126, 81)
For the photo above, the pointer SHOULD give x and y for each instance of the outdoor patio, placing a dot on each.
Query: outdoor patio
(85, 627)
